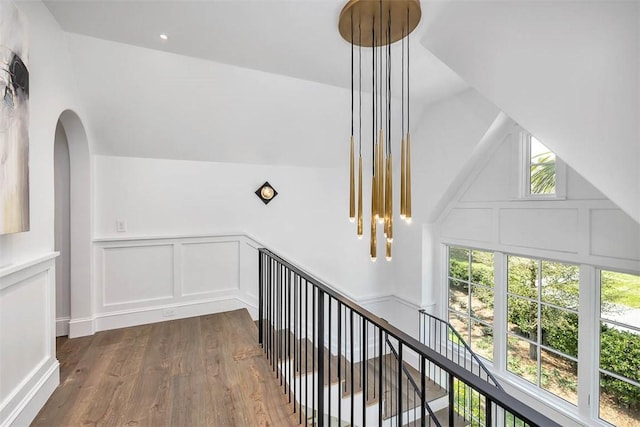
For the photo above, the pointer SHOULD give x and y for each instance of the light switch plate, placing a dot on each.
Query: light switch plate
(121, 226)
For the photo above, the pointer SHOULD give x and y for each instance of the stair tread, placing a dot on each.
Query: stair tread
(390, 367)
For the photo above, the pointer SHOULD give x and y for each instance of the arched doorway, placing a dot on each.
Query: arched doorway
(81, 320)
(62, 230)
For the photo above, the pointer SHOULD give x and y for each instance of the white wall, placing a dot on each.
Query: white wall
(583, 228)
(566, 71)
(62, 231)
(52, 91)
(307, 222)
(444, 141)
(29, 380)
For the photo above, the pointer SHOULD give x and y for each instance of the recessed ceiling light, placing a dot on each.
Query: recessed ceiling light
(164, 37)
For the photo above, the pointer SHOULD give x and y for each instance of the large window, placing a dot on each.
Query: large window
(471, 298)
(542, 332)
(523, 314)
(619, 365)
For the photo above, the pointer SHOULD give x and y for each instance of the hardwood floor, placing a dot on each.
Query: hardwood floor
(200, 371)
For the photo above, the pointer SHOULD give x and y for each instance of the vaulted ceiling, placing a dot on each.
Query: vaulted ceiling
(296, 38)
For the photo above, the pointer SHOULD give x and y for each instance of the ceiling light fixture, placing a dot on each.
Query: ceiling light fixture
(164, 37)
(377, 24)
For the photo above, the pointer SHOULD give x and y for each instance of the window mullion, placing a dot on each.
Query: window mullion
(500, 312)
(539, 332)
(588, 343)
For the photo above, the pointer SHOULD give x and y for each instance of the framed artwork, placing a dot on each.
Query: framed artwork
(14, 121)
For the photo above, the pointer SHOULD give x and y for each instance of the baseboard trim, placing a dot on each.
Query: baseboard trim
(81, 327)
(146, 315)
(24, 411)
(62, 326)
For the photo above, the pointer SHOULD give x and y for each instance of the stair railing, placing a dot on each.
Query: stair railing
(438, 334)
(417, 391)
(327, 353)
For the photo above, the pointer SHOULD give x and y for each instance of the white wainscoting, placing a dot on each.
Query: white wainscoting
(30, 370)
(151, 279)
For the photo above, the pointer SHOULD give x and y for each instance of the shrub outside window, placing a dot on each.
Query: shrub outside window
(542, 328)
(471, 298)
(619, 365)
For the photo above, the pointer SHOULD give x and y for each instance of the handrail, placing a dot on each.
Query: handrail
(472, 353)
(416, 389)
(506, 401)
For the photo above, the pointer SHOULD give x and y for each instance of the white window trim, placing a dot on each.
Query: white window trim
(525, 173)
(587, 409)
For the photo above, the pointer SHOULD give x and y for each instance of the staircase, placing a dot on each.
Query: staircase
(341, 365)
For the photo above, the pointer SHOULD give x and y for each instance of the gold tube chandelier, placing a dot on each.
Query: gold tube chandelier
(377, 24)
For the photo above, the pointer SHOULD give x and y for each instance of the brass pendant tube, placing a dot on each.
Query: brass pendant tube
(388, 251)
(380, 199)
(403, 180)
(352, 195)
(408, 184)
(374, 185)
(360, 219)
(389, 200)
(374, 242)
(386, 198)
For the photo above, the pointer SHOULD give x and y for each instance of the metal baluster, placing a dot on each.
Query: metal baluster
(352, 362)
(329, 362)
(314, 345)
(380, 383)
(260, 301)
(306, 350)
(320, 338)
(289, 331)
(363, 352)
(399, 383)
(295, 341)
(451, 398)
(423, 391)
(339, 362)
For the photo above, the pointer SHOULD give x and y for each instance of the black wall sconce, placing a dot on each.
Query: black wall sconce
(266, 192)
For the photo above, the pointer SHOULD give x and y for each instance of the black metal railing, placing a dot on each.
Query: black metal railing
(439, 335)
(333, 361)
(414, 390)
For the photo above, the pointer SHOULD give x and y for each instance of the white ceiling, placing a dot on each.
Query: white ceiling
(297, 38)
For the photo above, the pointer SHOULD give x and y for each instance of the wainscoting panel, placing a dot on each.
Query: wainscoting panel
(27, 339)
(210, 267)
(469, 223)
(152, 279)
(614, 234)
(531, 228)
(138, 273)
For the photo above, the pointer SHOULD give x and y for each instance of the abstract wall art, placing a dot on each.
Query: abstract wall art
(14, 121)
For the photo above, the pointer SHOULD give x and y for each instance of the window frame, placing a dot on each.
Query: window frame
(588, 400)
(540, 303)
(597, 370)
(468, 316)
(525, 173)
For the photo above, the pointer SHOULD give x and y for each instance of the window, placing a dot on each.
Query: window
(542, 172)
(619, 365)
(471, 298)
(542, 329)
(525, 319)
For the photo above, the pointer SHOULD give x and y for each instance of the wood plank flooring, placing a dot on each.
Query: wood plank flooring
(200, 371)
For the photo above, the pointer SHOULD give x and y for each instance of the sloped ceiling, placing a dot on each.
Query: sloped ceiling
(296, 38)
(237, 81)
(568, 72)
